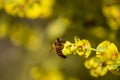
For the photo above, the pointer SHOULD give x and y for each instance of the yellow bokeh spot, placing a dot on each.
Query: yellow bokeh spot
(111, 11)
(106, 11)
(16, 38)
(3, 30)
(48, 3)
(96, 32)
(56, 28)
(54, 75)
(115, 11)
(33, 42)
(1, 4)
(38, 73)
(33, 11)
(113, 24)
(35, 73)
(10, 8)
(47, 8)
(20, 34)
(46, 12)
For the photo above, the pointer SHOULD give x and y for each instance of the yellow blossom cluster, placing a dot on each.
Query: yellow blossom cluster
(31, 9)
(106, 58)
(80, 47)
(112, 14)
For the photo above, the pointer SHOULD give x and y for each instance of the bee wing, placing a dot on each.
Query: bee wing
(50, 51)
(52, 47)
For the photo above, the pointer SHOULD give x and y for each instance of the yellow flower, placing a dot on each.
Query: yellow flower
(115, 68)
(89, 63)
(69, 48)
(107, 52)
(99, 71)
(83, 47)
(96, 66)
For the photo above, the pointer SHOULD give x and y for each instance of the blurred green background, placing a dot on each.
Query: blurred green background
(29, 27)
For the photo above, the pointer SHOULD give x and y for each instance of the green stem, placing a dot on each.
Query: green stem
(117, 64)
(95, 50)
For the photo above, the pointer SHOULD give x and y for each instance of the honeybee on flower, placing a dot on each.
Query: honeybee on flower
(107, 57)
(58, 46)
(64, 48)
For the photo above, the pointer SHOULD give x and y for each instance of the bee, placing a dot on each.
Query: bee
(58, 46)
